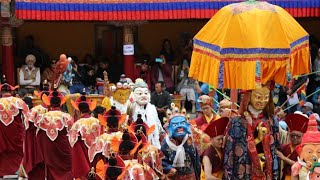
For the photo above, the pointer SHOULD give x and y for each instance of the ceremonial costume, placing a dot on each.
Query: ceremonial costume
(296, 123)
(181, 159)
(53, 140)
(141, 105)
(252, 139)
(32, 156)
(121, 93)
(214, 153)
(12, 112)
(81, 136)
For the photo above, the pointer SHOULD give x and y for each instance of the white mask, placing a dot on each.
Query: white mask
(141, 96)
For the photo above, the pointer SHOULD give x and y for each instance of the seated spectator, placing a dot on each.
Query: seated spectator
(144, 73)
(30, 75)
(186, 86)
(48, 73)
(307, 108)
(25, 96)
(161, 72)
(103, 66)
(90, 81)
(161, 99)
(76, 85)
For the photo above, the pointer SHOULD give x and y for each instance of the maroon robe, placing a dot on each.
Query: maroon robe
(201, 121)
(288, 151)
(32, 156)
(56, 154)
(215, 159)
(11, 146)
(80, 160)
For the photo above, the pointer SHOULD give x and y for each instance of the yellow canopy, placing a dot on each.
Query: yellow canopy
(247, 44)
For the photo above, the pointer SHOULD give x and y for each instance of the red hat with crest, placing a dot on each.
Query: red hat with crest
(5, 86)
(55, 98)
(112, 119)
(297, 122)
(217, 127)
(83, 100)
(45, 90)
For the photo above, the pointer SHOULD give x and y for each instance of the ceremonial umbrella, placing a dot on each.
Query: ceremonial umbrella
(246, 44)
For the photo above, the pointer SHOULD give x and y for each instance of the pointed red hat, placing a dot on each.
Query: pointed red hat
(312, 135)
(297, 122)
(217, 127)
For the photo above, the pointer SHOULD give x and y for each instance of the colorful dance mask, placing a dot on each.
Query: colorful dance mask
(260, 97)
(178, 127)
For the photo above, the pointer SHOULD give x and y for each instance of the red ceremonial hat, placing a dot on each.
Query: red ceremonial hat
(82, 99)
(217, 127)
(312, 135)
(6, 86)
(297, 122)
(54, 94)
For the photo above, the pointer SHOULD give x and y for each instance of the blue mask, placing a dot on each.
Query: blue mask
(179, 127)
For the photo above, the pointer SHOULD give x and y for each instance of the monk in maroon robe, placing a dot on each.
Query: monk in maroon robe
(32, 157)
(212, 166)
(13, 111)
(81, 140)
(53, 142)
(297, 126)
(206, 104)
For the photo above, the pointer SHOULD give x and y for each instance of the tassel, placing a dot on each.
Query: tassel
(92, 173)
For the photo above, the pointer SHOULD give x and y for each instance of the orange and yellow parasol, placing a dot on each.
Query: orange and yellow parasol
(247, 44)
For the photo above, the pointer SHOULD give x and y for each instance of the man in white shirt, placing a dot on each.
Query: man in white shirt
(29, 75)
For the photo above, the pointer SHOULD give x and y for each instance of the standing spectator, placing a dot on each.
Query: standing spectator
(161, 72)
(186, 86)
(48, 72)
(307, 108)
(144, 73)
(167, 51)
(30, 75)
(161, 99)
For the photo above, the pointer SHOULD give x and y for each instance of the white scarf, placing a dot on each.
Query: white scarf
(180, 152)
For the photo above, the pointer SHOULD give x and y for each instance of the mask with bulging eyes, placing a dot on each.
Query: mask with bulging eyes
(178, 127)
(259, 98)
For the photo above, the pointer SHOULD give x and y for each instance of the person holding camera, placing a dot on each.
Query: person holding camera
(144, 73)
(161, 71)
(161, 99)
